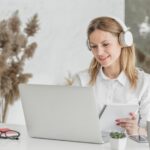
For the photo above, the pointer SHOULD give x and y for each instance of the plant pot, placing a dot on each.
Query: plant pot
(118, 144)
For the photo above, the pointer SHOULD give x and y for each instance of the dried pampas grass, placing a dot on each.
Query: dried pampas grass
(15, 49)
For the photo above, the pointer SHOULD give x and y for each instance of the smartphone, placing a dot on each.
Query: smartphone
(139, 138)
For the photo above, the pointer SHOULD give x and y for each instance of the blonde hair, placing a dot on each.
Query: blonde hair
(127, 57)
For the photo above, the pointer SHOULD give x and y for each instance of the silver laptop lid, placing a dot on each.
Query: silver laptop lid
(60, 112)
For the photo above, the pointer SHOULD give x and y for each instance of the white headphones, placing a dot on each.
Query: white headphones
(125, 37)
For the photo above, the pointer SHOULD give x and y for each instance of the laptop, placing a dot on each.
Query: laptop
(61, 112)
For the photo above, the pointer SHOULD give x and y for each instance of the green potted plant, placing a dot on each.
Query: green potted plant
(118, 140)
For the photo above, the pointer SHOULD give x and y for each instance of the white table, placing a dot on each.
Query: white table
(27, 143)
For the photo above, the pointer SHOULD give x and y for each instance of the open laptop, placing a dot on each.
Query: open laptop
(61, 112)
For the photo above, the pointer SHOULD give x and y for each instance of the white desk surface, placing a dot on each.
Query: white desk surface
(27, 143)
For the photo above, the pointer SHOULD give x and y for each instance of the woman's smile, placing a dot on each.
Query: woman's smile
(103, 59)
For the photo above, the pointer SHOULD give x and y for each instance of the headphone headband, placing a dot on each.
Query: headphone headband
(121, 23)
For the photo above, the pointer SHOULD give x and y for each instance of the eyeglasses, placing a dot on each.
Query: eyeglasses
(6, 133)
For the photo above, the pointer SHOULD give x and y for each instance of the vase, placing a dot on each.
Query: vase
(118, 144)
(1, 108)
(148, 131)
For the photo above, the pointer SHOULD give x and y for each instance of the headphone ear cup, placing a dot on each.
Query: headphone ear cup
(88, 45)
(126, 39)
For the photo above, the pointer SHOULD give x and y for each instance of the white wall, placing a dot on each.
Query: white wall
(61, 39)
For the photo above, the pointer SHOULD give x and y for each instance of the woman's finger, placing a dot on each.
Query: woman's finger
(126, 125)
(133, 115)
(124, 120)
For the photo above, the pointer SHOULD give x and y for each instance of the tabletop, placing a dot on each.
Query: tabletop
(27, 143)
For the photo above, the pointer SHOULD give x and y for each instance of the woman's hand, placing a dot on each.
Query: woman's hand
(129, 124)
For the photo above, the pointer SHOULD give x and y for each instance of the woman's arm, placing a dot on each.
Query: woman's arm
(137, 125)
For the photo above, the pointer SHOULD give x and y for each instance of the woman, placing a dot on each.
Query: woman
(113, 74)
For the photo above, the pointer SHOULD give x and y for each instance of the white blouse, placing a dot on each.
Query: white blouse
(108, 91)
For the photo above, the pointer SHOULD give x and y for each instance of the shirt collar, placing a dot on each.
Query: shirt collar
(122, 78)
